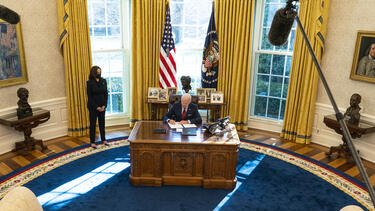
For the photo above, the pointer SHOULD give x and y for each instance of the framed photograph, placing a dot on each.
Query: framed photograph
(217, 97)
(363, 67)
(201, 91)
(201, 98)
(153, 92)
(163, 95)
(208, 92)
(12, 56)
(172, 91)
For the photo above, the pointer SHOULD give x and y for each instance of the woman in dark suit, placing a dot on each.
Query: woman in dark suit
(97, 95)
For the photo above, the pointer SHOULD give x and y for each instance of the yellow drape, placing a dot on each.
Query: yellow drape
(147, 30)
(300, 104)
(75, 45)
(234, 29)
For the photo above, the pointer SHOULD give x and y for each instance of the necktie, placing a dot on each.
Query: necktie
(184, 114)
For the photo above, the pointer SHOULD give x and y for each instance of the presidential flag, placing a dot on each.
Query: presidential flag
(167, 67)
(210, 62)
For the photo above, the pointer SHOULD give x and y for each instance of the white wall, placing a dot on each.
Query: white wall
(346, 17)
(45, 68)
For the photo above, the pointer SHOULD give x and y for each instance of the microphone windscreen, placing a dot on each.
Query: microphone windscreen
(281, 25)
(9, 15)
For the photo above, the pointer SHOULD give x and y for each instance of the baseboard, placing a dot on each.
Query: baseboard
(321, 134)
(56, 126)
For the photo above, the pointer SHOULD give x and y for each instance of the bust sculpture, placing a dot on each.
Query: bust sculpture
(24, 109)
(352, 112)
(185, 81)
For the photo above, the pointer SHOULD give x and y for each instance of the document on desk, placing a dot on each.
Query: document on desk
(189, 125)
(175, 126)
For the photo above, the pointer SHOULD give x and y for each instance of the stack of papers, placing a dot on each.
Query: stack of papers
(174, 126)
(178, 126)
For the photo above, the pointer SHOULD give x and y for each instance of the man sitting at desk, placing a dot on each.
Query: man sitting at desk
(183, 112)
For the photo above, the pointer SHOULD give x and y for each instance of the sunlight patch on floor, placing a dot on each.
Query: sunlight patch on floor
(63, 194)
(242, 173)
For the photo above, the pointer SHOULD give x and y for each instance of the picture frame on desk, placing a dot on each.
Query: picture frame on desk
(163, 95)
(217, 98)
(202, 99)
(153, 93)
(208, 93)
(171, 91)
(201, 91)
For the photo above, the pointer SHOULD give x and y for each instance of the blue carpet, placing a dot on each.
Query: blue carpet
(101, 182)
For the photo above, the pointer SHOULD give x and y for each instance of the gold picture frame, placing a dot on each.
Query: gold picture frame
(201, 91)
(12, 58)
(163, 95)
(208, 92)
(153, 93)
(217, 97)
(202, 99)
(171, 91)
(363, 67)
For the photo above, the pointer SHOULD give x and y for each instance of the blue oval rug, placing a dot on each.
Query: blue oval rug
(269, 178)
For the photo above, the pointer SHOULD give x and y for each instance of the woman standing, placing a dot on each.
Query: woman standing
(97, 95)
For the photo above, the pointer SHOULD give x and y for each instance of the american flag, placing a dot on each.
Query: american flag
(167, 68)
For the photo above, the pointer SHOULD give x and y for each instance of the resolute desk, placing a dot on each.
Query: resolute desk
(172, 159)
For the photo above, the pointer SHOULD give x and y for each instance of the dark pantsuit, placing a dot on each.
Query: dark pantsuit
(94, 115)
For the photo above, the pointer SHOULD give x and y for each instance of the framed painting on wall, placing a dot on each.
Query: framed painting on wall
(12, 56)
(363, 67)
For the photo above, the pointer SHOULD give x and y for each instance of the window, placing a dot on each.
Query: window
(272, 64)
(109, 22)
(190, 20)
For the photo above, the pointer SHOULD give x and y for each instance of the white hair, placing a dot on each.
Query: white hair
(186, 96)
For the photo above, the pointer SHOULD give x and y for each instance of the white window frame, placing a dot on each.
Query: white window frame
(263, 123)
(125, 21)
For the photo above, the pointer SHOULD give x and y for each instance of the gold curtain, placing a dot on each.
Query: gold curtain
(147, 30)
(234, 29)
(300, 103)
(75, 45)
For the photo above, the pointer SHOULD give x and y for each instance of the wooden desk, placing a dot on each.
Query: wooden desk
(215, 108)
(356, 131)
(173, 159)
(25, 125)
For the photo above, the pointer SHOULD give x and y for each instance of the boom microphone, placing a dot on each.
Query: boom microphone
(282, 24)
(9, 15)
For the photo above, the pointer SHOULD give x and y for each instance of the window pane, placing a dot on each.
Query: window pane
(176, 13)
(285, 89)
(266, 45)
(282, 112)
(269, 13)
(288, 65)
(114, 31)
(116, 62)
(278, 64)
(99, 13)
(264, 63)
(177, 35)
(117, 103)
(273, 108)
(260, 106)
(116, 84)
(262, 85)
(275, 88)
(113, 13)
(292, 37)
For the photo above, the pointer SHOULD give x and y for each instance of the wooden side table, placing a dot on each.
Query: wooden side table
(25, 125)
(356, 131)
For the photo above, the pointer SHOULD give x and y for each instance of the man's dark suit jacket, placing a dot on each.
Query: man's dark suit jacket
(175, 113)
